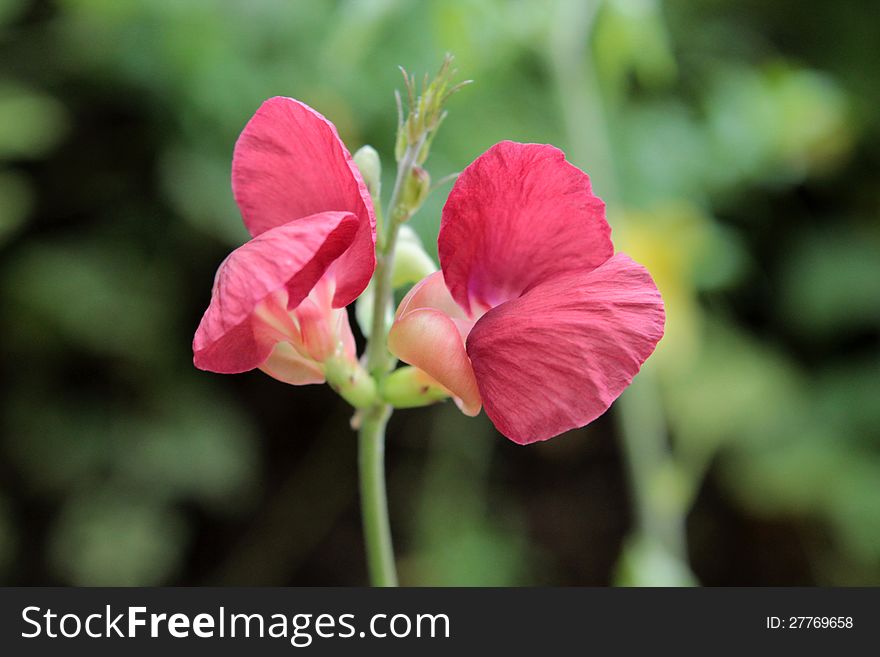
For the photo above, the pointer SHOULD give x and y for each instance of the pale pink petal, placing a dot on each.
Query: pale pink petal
(292, 257)
(289, 163)
(288, 366)
(316, 330)
(346, 337)
(557, 357)
(431, 292)
(518, 215)
(429, 340)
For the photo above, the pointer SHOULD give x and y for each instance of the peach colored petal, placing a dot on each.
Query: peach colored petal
(288, 366)
(428, 339)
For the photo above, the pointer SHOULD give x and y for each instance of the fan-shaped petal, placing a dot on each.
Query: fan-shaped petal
(517, 216)
(289, 163)
(556, 358)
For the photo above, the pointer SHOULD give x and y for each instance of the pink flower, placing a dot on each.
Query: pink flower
(533, 315)
(279, 300)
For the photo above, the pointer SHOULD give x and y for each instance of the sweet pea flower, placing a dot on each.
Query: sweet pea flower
(532, 316)
(278, 301)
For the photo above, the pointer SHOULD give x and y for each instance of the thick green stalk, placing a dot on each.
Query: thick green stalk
(374, 499)
(378, 358)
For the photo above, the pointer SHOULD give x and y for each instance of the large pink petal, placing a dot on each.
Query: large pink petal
(557, 357)
(291, 257)
(516, 216)
(290, 163)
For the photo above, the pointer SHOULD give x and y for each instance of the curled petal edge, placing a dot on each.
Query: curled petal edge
(293, 258)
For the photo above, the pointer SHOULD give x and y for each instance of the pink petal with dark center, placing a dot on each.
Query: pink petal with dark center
(517, 216)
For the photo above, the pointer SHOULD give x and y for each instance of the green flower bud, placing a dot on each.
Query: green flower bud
(411, 262)
(415, 191)
(370, 166)
(409, 387)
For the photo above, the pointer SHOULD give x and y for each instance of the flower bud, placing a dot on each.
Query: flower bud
(411, 262)
(415, 191)
(370, 166)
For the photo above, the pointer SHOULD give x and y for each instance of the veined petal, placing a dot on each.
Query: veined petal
(292, 257)
(557, 357)
(289, 163)
(517, 216)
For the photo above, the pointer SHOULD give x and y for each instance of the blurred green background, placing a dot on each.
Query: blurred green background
(737, 143)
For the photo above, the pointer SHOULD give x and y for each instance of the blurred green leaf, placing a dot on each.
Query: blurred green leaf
(630, 37)
(199, 188)
(65, 444)
(9, 10)
(472, 556)
(457, 541)
(99, 295)
(31, 123)
(198, 446)
(776, 123)
(737, 391)
(663, 152)
(109, 538)
(846, 395)
(189, 444)
(831, 282)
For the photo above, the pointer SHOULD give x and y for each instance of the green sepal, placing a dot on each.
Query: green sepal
(351, 381)
(410, 387)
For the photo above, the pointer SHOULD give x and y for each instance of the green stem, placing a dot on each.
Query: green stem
(378, 358)
(660, 507)
(374, 499)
